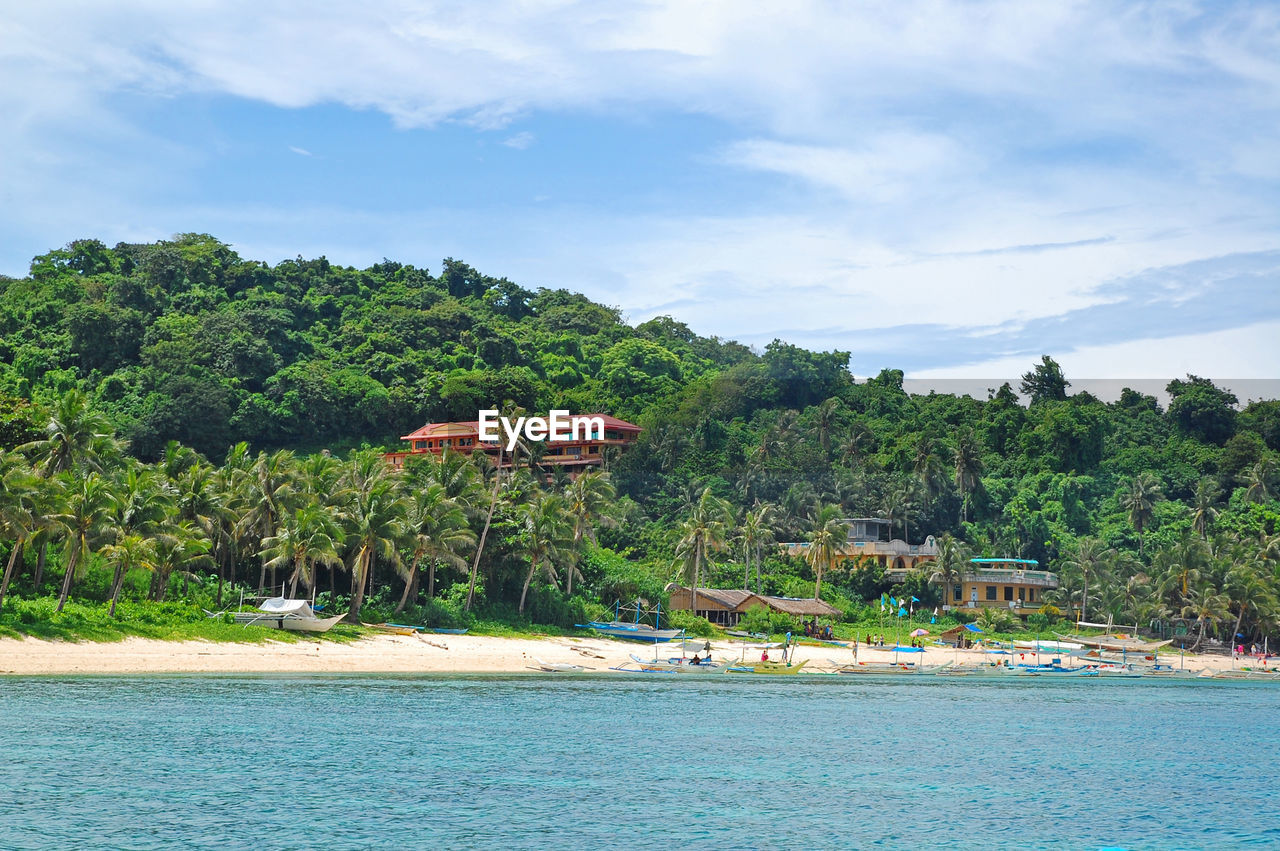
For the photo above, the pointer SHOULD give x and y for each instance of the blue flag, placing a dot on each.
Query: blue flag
(915, 599)
(902, 613)
(892, 602)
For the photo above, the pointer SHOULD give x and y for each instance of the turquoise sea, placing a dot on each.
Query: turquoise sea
(560, 761)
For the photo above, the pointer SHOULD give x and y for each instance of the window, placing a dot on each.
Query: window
(991, 592)
(958, 592)
(1022, 594)
(1031, 594)
(1008, 593)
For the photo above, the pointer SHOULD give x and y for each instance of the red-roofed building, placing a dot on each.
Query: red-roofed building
(574, 455)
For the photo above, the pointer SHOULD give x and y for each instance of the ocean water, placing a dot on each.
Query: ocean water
(559, 761)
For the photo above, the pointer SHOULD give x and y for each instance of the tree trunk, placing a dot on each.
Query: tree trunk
(1236, 630)
(72, 558)
(40, 561)
(759, 587)
(409, 585)
(431, 580)
(484, 533)
(746, 573)
(533, 565)
(1084, 598)
(14, 558)
(817, 581)
(262, 577)
(358, 579)
(219, 559)
(116, 584)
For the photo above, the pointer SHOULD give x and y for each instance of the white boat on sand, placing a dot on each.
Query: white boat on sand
(282, 613)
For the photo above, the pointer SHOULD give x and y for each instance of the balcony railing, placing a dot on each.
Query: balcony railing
(1036, 578)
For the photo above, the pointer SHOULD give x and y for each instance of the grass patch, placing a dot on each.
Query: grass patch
(39, 618)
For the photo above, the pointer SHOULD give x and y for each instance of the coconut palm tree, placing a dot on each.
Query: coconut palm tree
(858, 444)
(1203, 511)
(84, 520)
(272, 493)
(1208, 606)
(948, 568)
(1257, 480)
(826, 541)
(76, 437)
(439, 534)
(1092, 557)
(967, 460)
(1138, 501)
(588, 499)
(20, 517)
(1246, 589)
(375, 515)
(703, 533)
(128, 552)
(756, 533)
(177, 550)
(929, 468)
(824, 420)
(546, 530)
(307, 536)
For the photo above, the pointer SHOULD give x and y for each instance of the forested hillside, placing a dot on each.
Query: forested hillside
(185, 341)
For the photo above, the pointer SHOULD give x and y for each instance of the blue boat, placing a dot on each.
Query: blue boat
(632, 631)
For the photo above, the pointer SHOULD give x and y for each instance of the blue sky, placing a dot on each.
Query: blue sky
(947, 188)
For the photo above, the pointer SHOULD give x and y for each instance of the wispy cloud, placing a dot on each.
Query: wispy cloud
(519, 141)
(302, 152)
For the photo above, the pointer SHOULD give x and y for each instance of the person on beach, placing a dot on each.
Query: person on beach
(764, 656)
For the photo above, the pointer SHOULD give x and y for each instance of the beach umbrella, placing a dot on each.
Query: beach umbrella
(916, 633)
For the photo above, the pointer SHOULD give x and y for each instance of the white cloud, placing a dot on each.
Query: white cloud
(519, 141)
(959, 164)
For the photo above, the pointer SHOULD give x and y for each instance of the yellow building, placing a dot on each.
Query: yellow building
(1015, 584)
(871, 543)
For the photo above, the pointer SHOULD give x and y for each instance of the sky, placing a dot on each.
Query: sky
(948, 188)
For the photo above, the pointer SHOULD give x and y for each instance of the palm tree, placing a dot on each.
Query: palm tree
(176, 551)
(757, 532)
(546, 530)
(76, 437)
(1245, 588)
(1139, 501)
(440, 534)
(824, 419)
(85, 518)
(484, 532)
(1091, 556)
(587, 499)
(858, 443)
(1257, 480)
(829, 535)
(129, 551)
(1207, 606)
(375, 514)
(19, 514)
(272, 492)
(928, 468)
(1203, 511)
(703, 533)
(948, 568)
(967, 459)
(308, 536)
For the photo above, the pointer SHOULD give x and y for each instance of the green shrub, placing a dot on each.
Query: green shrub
(690, 623)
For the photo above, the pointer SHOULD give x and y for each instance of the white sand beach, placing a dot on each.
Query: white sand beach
(430, 654)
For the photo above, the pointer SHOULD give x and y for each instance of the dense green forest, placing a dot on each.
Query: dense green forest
(178, 421)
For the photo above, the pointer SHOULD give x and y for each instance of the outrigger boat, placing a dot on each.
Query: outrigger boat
(634, 631)
(894, 668)
(282, 613)
(1116, 643)
(1266, 675)
(766, 667)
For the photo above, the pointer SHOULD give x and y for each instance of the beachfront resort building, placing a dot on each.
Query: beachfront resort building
(726, 606)
(574, 456)
(1016, 584)
(870, 542)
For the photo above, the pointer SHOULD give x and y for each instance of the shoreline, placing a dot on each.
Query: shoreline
(433, 654)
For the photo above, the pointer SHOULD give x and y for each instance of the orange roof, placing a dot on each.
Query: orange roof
(472, 427)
